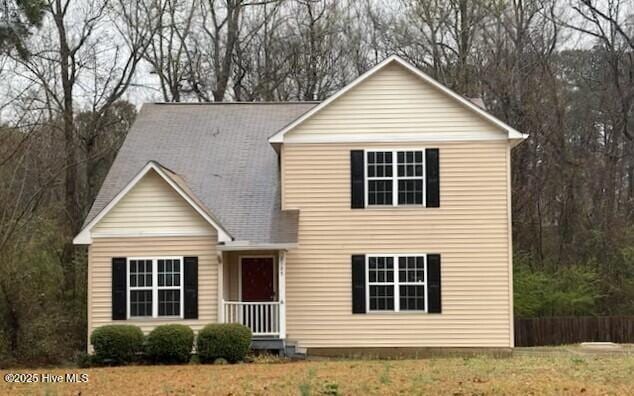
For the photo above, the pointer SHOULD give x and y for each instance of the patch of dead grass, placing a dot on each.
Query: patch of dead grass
(453, 376)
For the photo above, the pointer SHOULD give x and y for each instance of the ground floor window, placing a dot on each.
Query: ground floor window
(155, 287)
(396, 283)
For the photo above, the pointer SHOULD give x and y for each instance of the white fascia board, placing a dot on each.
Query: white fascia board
(85, 238)
(516, 141)
(511, 132)
(242, 245)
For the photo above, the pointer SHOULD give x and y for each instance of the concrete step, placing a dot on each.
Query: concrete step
(267, 343)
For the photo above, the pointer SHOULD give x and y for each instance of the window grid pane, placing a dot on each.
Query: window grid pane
(380, 192)
(410, 170)
(381, 269)
(411, 298)
(140, 273)
(410, 192)
(411, 269)
(140, 303)
(380, 177)
(380, 164)
(169, 273)
(382, 298)
(169, 302)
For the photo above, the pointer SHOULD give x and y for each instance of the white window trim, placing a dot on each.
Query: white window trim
(395, 284)
(155, 287)
(395, 178)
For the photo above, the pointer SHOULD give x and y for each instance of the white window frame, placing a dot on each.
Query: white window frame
(395, 178)
(396, 284)
(155, 287)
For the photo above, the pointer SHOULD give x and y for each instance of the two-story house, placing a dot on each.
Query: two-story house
(380, 217)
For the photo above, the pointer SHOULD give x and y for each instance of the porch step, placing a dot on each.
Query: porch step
(282, 347)
(292, 352)
(267, 343)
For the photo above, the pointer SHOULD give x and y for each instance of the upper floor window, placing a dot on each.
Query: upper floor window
(395, 177)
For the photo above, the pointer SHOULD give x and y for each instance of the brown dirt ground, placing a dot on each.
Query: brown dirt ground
(532, 374)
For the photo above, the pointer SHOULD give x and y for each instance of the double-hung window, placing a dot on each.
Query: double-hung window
(155, 287)
(141, 283)
(396, 283)
(395, 177)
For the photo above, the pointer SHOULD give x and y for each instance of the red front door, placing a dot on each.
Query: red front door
(257, 279)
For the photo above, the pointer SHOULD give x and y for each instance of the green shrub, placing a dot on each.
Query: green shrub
(84, 360)
(553, 291)
(228, 341)
(170, 344)
(117, 344)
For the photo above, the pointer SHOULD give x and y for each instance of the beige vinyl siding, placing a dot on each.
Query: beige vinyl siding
(470, 230)
(100, 256)
(395, 100)
(231, 267)
(230, 278)
(152, 206)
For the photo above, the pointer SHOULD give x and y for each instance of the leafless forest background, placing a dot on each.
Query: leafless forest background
(73, 72)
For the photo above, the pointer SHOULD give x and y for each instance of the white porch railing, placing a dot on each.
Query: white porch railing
(263, 318)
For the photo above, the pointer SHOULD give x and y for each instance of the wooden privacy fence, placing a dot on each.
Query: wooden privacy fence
(573, 329)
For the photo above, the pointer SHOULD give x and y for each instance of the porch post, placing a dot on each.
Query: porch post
(282, 286)
(221, 283)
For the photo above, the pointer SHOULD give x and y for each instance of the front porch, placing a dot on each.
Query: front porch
(252, 292)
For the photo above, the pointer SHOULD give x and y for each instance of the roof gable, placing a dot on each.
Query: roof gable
(183, 204)
(222, 152)
(395, 101)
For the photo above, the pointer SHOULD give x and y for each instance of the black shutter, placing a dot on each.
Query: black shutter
(358, 284)
(434, 304)
(356, 179)
(191, 287)
(119, 280)
(432, 178)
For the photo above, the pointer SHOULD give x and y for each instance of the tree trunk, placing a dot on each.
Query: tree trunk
(71, 201)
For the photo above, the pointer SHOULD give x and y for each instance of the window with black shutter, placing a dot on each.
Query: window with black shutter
(191, 287)
(405, 282)
(395, 178)
(358, 284)
(119, 286)
(155, 287)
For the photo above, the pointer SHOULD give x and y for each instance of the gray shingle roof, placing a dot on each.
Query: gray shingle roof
(221, 152)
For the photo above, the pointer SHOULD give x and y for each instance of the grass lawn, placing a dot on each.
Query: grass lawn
(520, 374)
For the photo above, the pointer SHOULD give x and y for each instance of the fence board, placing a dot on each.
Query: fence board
(573, 329)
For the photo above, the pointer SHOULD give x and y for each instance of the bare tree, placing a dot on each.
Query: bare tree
(210, 52)
(261, 63)
(167, 53)
(609, 25)
(17, 17)
(67, 66)
(438, 36)
(319, 48)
